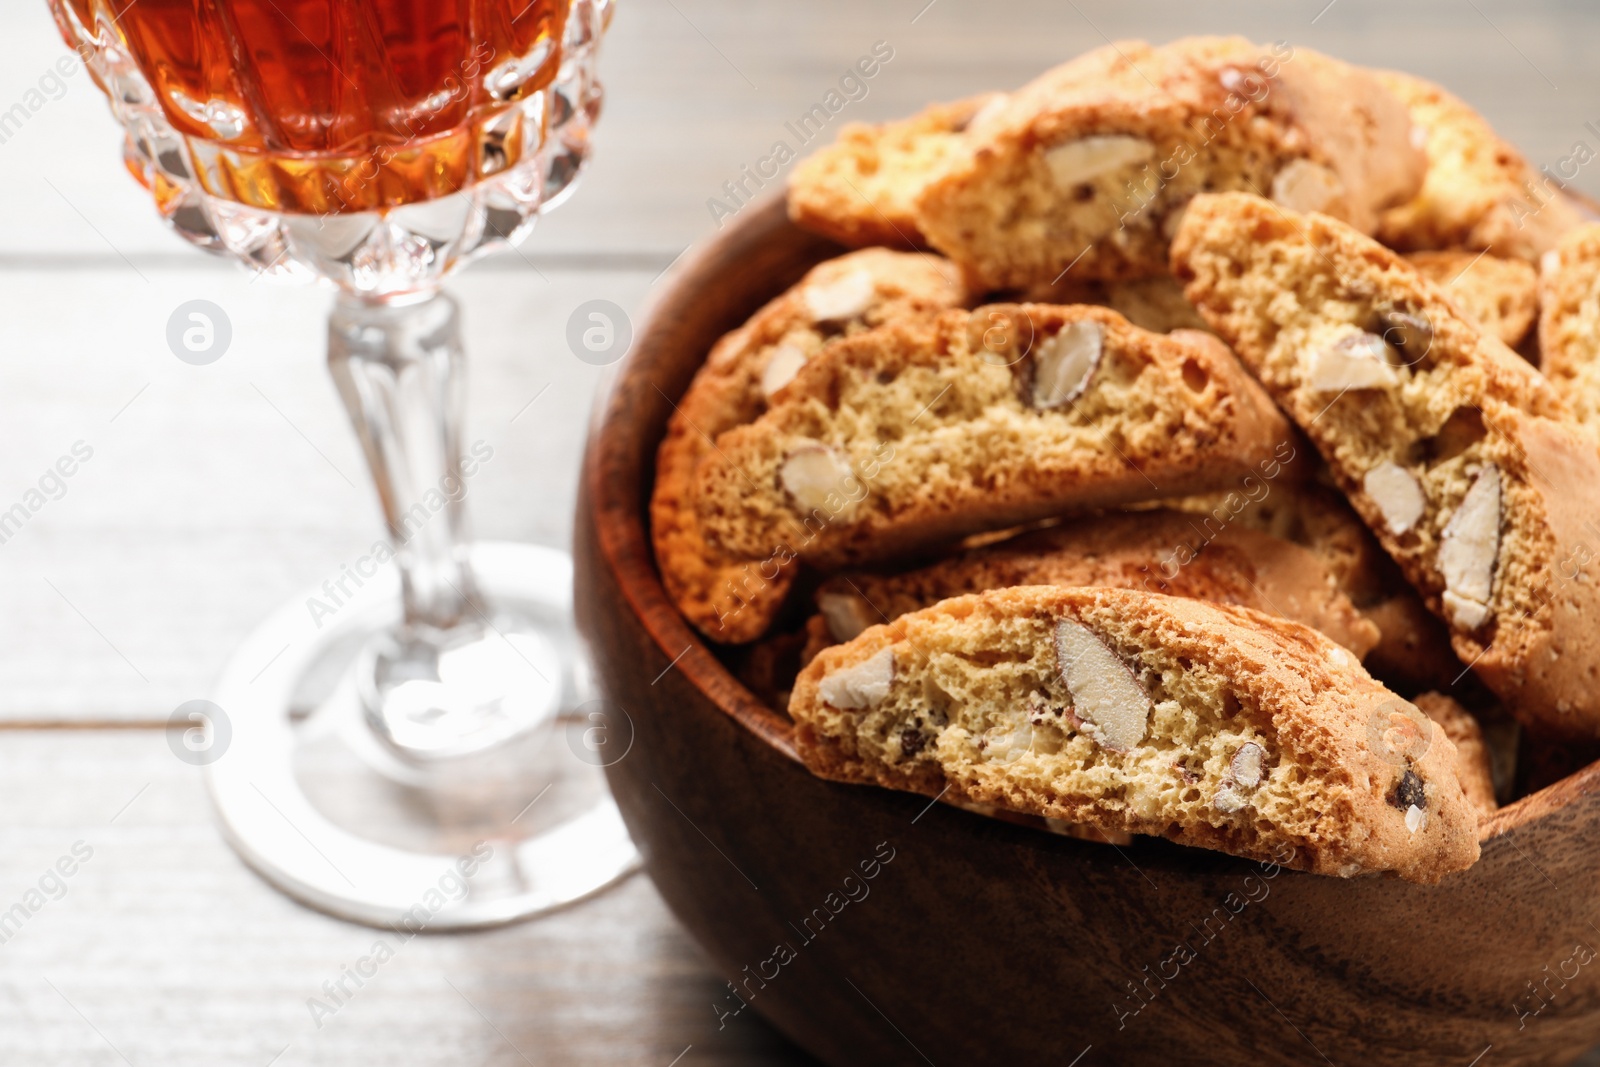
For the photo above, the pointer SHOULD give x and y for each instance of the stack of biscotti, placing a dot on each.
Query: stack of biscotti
(1181, 464)
(1463, 459)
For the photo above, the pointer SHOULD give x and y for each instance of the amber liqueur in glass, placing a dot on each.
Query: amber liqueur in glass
(328, 106)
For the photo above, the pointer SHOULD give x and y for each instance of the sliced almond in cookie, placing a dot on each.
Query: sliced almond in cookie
(864, 685)
(1239, 733)
(815, 476)
(1246, 763)
(1306, 186)
(1359, 361)
(1087, 158)
(1398, 495)
(784, 363)
(843, 298)
(1408, 335)
(1113, 707)
(1064, 364)
(1468, 550)
(847, 614)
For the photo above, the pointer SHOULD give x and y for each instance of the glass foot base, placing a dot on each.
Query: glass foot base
(333, 814)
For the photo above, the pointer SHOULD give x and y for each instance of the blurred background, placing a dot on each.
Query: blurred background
(202, 497)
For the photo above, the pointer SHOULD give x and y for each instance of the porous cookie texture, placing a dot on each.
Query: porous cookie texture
(1155, 303)
(862, 189)
(1158, 550)
(1473, 763)
(1569, 323)
(733, 598)
(921, 432)
(1089, 167)
(1500, 295)
(1213, 726)
(1479, 192)
(1451, 448)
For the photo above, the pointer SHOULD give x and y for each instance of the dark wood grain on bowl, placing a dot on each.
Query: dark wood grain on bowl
(974, 941)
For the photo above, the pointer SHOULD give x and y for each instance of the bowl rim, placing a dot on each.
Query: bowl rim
(621, 524)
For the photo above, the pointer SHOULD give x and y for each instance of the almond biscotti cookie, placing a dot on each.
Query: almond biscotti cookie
(1158, 550)
(861, 190)
(1479, 192)
(1212, 726)
(921, 432)
(1569, 322)
(732, 598)
(1473, 766)
(1501, 295)
(1090, 166)
(1451, 448)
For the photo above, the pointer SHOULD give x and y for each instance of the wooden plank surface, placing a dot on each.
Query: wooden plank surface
(214, 493)
(162, 949)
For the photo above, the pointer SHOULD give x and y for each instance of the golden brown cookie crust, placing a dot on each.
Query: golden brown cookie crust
(1219, 678)
(1501, 295)
(732, 598)
(1479, 193)
(862, 189)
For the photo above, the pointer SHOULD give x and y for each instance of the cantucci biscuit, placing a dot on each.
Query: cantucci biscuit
(1213, 726)
(919, 433)
(733, 598)
(1089, 167)
(862, 189)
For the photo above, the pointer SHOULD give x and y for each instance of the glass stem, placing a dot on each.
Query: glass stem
(400, 370)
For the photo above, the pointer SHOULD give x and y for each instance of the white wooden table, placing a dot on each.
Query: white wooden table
(214, 493)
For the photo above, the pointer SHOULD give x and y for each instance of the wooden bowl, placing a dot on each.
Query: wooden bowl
(875, 928)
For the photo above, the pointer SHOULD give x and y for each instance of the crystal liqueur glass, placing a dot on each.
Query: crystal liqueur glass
(374, 146)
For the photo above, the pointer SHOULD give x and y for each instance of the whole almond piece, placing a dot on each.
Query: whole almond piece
(1106, 697)
(864, 685)
(1064, 364)
(1398, 495)
(1085, 159)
